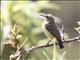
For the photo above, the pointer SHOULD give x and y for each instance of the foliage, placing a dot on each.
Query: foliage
(20, 23)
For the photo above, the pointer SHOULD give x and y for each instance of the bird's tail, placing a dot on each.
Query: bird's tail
(60, 44)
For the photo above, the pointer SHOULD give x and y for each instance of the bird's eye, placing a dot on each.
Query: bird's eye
(47, 16)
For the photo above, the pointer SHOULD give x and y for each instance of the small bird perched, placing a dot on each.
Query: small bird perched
(50, 29)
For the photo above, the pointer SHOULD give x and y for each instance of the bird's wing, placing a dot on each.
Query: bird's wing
(52, 28)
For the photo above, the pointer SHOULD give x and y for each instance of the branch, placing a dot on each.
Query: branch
(43, 46)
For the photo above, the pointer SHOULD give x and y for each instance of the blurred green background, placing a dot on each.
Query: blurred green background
(25, 15)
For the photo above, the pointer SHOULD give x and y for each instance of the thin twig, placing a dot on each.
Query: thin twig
(46, 45)
(23, 43)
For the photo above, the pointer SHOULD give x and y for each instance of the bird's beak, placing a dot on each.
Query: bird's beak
(42, 15)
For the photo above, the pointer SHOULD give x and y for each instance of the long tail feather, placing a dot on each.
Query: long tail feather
(60, 44)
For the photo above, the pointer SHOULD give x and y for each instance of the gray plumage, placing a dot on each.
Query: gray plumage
(51, 27)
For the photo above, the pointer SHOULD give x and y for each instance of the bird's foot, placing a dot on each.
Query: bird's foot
(48, 42)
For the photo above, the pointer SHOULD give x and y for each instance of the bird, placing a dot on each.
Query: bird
(50, 29)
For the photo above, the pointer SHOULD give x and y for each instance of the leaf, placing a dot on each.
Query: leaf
(78, 22)
(14, 30)
(77, 29)
(8, 42)
(18, 36)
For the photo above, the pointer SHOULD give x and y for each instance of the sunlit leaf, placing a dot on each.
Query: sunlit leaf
(78, 22)
(8, 42)
(14, 29)
(77, 29)
(18, 36)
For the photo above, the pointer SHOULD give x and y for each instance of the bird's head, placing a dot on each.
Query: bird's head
(47, 17)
